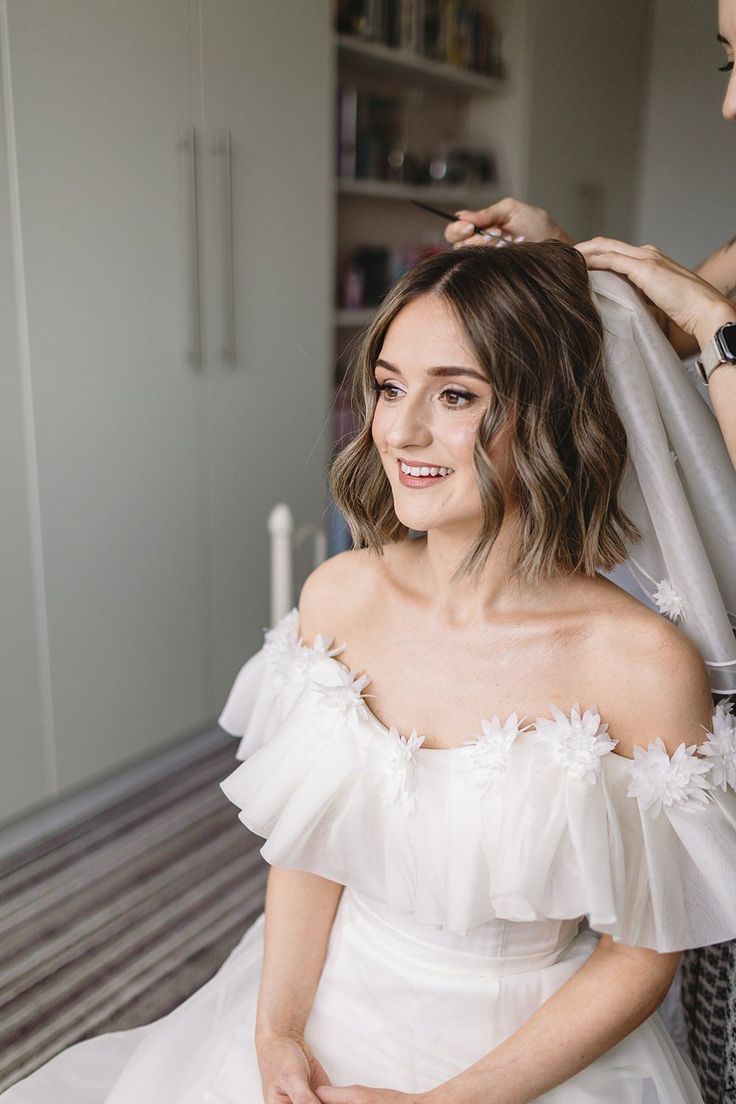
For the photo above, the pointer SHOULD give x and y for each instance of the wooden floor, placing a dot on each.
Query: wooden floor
(113, 922)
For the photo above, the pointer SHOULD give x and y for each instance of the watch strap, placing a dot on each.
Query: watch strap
(713, 355)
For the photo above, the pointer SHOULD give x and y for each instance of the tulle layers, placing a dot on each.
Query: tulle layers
(533, 825)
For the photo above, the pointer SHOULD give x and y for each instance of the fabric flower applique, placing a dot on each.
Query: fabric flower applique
(488, 752)
(720, 747)
(344, 700)
(394, 762)
(290, 659)
(659, 779)
(575, 742)
(668, 601)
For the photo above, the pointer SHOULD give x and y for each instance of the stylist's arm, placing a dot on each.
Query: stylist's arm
(689, 301)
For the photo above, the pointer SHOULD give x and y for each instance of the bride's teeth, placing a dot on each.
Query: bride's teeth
(407, 469)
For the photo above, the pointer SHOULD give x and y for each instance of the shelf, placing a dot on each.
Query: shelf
(455, 197)
(353, 319)
(403, 63)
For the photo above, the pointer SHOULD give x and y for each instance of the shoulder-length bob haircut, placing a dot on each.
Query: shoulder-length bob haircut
(530, 319)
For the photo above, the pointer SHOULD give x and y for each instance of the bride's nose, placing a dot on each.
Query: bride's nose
(408, 423)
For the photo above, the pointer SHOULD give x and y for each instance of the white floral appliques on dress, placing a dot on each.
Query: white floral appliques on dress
(487, 753)
(659, 779)
(288, 658)
(344, 699)
(575, 742)
(394, 762)
(668, 601)
(720, 747)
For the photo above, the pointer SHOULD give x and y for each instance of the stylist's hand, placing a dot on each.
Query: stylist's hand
(693, 304)
(511, 219)
(289, 1070)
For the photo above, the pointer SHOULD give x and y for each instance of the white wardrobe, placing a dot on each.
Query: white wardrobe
(165, 307)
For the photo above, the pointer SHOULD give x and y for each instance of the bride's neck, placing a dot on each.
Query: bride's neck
(466, 600)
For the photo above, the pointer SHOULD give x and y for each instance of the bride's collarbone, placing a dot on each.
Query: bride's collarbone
(445, 704)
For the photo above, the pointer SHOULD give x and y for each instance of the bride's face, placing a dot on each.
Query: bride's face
(432, 398)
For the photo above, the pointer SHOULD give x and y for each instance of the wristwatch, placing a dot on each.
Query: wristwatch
(721, 350)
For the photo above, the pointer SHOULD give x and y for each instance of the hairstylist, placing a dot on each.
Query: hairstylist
(696, 310)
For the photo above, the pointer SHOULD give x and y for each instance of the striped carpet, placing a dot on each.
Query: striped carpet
(111, 923)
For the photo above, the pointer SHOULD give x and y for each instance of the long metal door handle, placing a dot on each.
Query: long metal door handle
(189, 146)
(223, 152)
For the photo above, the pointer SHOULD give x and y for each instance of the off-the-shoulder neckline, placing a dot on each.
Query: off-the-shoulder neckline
(386, 730)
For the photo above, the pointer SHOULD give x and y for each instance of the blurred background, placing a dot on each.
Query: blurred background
(201, 201)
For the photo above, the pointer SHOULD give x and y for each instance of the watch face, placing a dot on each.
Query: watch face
(728, 340)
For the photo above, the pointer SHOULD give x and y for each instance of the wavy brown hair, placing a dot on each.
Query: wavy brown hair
(529, 317)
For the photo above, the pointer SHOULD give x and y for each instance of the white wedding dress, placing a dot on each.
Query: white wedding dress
(475, 881)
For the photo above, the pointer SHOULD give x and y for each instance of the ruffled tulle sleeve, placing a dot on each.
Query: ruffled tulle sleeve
(645, 848)
(268, 685)
(542, 822)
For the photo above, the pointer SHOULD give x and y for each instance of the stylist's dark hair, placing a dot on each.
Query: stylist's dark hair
(530, 319)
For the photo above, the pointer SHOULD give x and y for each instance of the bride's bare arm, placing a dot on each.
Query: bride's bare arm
(619, 986)
(612, 993)
(299, 912)
(300, 908)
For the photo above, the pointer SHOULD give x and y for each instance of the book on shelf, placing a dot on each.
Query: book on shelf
(347, 132)
(453, 31)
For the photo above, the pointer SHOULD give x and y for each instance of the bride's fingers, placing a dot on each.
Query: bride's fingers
(340, 1094)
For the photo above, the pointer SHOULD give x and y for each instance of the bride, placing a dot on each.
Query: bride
(496, 799)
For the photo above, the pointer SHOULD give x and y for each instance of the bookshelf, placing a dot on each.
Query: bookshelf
(414, 127)
(449, 195)
(413, 66)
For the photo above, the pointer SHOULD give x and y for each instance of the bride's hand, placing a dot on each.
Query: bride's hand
(290, 1072)
(364, 1094)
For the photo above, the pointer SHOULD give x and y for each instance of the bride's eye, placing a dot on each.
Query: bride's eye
(385, 389)
(459, 399)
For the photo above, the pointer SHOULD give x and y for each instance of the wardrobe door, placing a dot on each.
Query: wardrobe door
(27, 773)
(102, 92)
(268, 108)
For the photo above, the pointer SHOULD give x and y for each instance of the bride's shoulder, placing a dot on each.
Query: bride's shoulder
(652, 676)
(336, 592)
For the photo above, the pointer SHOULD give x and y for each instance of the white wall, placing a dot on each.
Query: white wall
(588, 85)
(687, 183)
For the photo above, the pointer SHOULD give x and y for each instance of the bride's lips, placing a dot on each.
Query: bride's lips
(421, 480)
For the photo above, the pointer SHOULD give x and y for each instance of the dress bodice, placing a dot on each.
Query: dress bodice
(524, 823)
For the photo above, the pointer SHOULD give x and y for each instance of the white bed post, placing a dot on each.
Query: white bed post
(280, 527)
(284, 542)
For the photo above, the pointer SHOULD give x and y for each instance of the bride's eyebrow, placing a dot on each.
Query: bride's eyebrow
(443, 370)
(723, 39)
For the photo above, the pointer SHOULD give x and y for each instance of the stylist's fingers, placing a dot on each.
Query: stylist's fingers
(459, 233)
(496, 240)
(495, 219)
(605, 246)
(498, 214)
(623, 263)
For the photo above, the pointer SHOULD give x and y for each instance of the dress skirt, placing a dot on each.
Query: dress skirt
(399, 1004)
